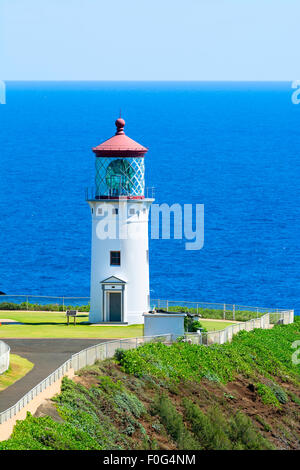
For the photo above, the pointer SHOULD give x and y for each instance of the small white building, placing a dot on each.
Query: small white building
(164, 324)
(120, 250)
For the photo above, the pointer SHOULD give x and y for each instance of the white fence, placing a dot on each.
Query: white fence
(79, 360)
(222, 336)
(4, 356)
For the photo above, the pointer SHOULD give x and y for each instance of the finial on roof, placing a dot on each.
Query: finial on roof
(120, 123)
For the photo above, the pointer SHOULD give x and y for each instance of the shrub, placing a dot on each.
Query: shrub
(119, 354)
(279, 393)
(196, 325)
(244, 435)
(207, 429)
(265, 425)
(216, 432)
(294, 398)
(267, 395)
(174, 424)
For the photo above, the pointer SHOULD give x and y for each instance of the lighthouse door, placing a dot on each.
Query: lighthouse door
(115, 307)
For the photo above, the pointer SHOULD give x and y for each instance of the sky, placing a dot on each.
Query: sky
(149, 39)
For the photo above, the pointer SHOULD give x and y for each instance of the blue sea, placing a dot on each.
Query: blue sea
(234, 147)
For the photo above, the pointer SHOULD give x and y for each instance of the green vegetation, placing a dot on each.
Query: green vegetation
(174, 424)
(54, 325)
(243, 395)
(214, 431)
(38, 324)
(260, 352)
(191, 325)
(42, 308)
(272, 394)
(240, 315)
(18, 367)
(102, 417)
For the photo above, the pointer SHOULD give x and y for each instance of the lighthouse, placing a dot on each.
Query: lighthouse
(120, 248)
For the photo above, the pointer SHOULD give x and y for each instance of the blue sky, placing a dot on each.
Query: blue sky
(149, 40)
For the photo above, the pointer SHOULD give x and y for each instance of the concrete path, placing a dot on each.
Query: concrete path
(47, 355)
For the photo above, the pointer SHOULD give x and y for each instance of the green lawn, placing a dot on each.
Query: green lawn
(18, 367)
(211, 325)
(53, 325)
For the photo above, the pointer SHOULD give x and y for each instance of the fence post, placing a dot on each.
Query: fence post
(224, 312)
(26, 303)
(167, 305)
(197, 309)
(233, 312)
(63, 299)
(158, 303)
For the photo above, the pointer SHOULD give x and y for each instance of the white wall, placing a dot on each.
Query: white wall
(4, 356)
(134, 267)
(160, 324)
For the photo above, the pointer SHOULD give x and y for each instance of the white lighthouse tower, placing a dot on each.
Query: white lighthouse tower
(120, 213)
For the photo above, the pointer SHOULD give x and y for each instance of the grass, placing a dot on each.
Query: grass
(256, 353)
(160, 397)
(211, 325)
(19, 366)
(53, 325)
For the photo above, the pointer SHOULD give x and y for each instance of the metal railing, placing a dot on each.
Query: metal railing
(92, 194)
(50, 303)
(79, 360)
(222, 311)
(222, 336)
(4, 356)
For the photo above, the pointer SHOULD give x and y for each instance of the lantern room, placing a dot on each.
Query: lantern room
(120, 170)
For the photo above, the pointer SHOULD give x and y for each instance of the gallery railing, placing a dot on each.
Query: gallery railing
(92, 194)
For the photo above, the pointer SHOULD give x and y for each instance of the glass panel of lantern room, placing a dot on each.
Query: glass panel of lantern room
(120, 176)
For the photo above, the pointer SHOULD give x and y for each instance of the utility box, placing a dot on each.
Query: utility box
(163, 324)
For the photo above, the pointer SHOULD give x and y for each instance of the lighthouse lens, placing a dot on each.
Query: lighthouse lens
(119, 176)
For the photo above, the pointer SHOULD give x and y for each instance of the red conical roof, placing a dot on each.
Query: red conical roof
(120, 145)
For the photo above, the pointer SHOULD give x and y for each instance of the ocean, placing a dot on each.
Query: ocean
(233, 147)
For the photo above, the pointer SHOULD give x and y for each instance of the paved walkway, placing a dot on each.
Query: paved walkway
(47, 355)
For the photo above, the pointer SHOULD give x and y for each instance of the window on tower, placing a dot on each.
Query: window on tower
(115, 258)
(115, 211)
